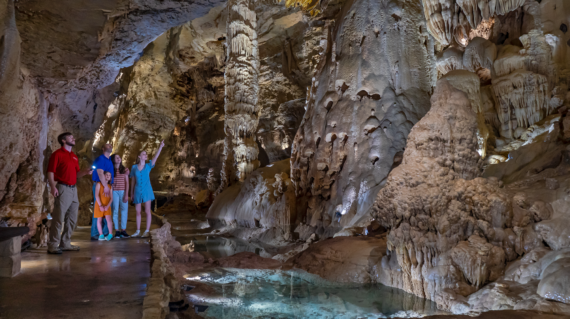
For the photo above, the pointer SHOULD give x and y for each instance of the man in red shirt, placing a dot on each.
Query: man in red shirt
(64, 169)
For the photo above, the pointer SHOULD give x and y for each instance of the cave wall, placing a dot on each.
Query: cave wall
(24, 122)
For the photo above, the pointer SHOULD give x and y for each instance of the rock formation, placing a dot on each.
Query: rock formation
(430, 204)
(453, 20)
(263, 207)
(451, 231)
(242, 90)
(371, 86)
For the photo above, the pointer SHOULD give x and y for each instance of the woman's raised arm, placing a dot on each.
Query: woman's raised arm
(157, 153)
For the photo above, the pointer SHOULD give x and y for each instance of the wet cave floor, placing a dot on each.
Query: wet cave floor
(105, 279)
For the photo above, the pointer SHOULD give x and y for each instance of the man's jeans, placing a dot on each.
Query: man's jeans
(94, 230)
(119, 207)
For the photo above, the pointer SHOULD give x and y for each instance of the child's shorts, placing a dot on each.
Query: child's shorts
(98, 213)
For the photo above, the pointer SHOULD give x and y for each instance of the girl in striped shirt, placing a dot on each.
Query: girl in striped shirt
(120, 205)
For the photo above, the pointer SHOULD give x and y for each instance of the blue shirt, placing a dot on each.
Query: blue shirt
(104, 163)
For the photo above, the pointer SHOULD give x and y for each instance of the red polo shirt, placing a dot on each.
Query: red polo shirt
(64, 165)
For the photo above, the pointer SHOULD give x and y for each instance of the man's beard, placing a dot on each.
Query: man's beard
(70, 143)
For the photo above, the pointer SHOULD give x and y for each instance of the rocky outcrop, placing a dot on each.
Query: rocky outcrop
(519, 62)
(163, 285)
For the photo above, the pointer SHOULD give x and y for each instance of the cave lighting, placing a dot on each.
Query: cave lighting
(195, 278)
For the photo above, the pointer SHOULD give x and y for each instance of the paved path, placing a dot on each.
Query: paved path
(103, 280)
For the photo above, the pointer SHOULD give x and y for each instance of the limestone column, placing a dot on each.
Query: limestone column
(242, 88)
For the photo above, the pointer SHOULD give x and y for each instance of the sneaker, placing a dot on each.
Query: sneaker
(49, 216)
(101, 237)
(95, 238)
(117, 234)
(145, 234)
(136, 234)
(55, 252)
(124, 234)
(109, 237)
(70, 248)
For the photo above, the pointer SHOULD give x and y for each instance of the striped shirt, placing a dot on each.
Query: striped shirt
(120, 180)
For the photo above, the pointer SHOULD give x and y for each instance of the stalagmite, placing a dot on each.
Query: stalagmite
(449, 60)
(242, 88)
(449, 229)
(469, 83)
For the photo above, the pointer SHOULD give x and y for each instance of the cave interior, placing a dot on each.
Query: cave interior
(321, 159)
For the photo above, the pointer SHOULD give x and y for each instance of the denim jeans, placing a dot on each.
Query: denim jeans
(94, 230)
(121, 208)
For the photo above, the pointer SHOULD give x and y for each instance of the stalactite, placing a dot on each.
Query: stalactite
(238, 27)
(449, 20)
(525, 94)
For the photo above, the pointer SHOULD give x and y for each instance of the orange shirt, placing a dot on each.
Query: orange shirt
(104, 200)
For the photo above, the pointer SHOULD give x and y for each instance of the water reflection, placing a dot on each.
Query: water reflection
(241, 293)
(216, 247)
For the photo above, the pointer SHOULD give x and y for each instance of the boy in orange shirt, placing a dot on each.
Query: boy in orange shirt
(103, 207)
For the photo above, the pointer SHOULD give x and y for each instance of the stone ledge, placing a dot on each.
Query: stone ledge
(162, 286)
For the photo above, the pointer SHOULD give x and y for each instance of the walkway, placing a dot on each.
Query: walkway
(102, 280)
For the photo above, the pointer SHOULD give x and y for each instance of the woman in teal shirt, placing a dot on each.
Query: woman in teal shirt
(141, 190)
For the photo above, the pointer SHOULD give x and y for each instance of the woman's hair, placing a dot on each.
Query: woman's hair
(138, 158)
(122, 169)
(111, 181)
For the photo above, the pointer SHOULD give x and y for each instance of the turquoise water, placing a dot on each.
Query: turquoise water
(241, 293)
(233, 293)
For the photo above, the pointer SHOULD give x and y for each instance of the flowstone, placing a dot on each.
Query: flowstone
(450, 231)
